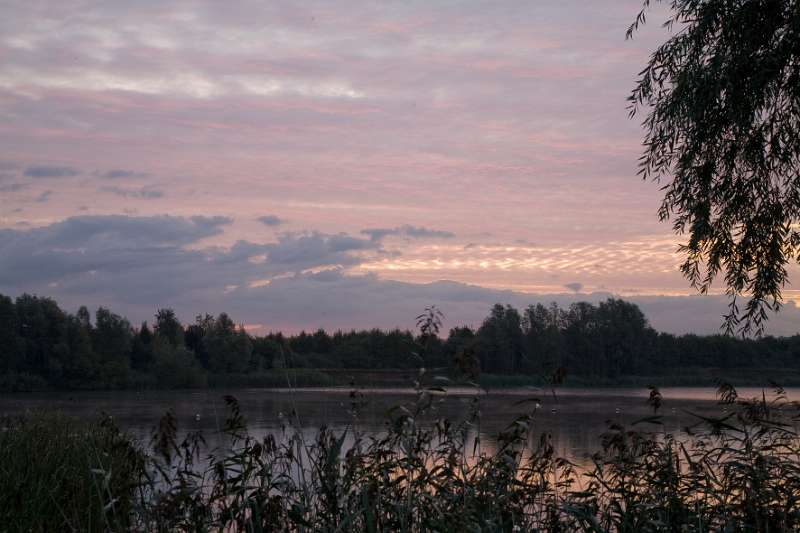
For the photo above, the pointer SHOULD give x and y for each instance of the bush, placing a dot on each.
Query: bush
(58, 474)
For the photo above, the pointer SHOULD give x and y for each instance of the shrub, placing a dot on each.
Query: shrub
(58, 474)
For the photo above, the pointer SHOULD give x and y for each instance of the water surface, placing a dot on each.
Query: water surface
(574, 417)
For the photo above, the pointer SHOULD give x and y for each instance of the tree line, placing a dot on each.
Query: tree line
(43, 346)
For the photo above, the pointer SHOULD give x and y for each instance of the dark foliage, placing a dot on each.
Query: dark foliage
(722, 97)
(57, 474)
(45, 347)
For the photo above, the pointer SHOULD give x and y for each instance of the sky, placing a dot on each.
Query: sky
(333, 164)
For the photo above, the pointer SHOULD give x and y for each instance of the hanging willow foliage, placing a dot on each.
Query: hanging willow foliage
(722, 98)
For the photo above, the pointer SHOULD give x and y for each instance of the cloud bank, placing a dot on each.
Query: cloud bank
(300, 281)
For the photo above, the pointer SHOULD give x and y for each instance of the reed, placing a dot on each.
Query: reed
(59, 474)
(736, 472)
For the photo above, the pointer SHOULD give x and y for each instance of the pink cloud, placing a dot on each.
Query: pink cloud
(495, 121)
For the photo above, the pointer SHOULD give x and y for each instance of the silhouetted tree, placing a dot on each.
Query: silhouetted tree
(44, 346)
(111, 341)
(723, 129)
(175, 366)
(194, 337)
(42, 328)
(229, 348)
(142, 349)
(624, 336)
(81, 367)
(500, 340)
(11, 344)
(266, 351)
(168, 327)
(84, 317)
(544, 340)
(460, 349)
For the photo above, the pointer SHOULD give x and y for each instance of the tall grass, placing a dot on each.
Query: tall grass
(736, 472)
(58, 474)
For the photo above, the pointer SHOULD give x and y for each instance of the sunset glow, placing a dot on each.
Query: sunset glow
(483, 144)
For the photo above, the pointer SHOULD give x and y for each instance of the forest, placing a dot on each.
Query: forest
(44, 347)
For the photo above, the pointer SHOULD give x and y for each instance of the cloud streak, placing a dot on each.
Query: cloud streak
(142, 193)
(116, 174)
(46, 171)
(43, 197)
(408, 231)
(271, 220)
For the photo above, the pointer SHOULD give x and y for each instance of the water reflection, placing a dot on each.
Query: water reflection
(574, 417)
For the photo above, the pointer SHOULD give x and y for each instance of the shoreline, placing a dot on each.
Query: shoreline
(403, 380)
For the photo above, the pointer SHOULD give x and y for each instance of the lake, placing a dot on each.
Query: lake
(574, 417)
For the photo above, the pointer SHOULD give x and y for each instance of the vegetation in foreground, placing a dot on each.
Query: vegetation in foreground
(58, 474)
(737, 472)
(611, 343)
